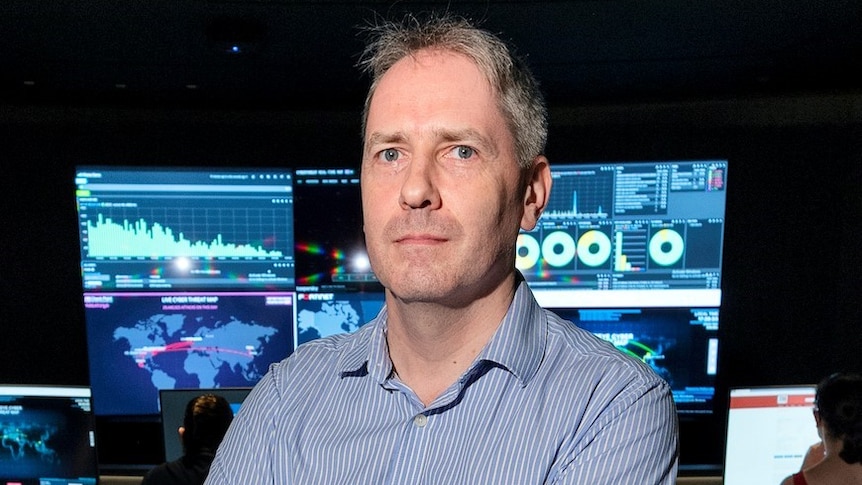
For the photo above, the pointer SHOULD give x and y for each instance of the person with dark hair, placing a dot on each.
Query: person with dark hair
(207, 418)
(462, 378)
(838, 416)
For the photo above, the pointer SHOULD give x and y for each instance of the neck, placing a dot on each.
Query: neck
(432, 345)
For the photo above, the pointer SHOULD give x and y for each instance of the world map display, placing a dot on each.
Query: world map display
(24, 441)
(322, 315)
(141, 345)
(176, 348)
(44, 435)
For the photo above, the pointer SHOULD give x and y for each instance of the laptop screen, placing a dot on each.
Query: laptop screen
(48, 435)
(172, 403)
(769, 429)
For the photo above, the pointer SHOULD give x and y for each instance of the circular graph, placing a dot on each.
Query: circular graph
(594, 248)
(558, 248)
(666, 247)
(527, 252)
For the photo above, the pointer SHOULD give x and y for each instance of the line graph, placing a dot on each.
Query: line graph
(581, 196)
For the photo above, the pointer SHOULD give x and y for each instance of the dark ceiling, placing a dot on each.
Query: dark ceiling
(284, 53)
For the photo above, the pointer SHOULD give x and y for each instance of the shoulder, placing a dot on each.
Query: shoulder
(332, 351)
(319, 361)
(152, 476)
(616, 415)
(579, 348)
(301, 381)
(160, 474)
(580, 360)
(795, 479)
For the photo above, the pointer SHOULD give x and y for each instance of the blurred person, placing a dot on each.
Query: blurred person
(206, 419)
(837, 458)
(462, 378)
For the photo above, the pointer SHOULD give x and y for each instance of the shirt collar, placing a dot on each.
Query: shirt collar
(369, 353)
(518, 345)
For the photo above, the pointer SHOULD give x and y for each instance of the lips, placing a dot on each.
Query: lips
(420, 239)
(420, 229)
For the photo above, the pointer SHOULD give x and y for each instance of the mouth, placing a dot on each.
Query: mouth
(420, 239)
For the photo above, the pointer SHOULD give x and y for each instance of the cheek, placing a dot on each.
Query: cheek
(491, 225)
(374, 220)
(371, 206)
(370, 223)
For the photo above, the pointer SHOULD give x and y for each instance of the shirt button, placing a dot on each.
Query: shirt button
(420, 420)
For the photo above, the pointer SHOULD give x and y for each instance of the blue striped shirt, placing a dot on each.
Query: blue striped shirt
(544, 402)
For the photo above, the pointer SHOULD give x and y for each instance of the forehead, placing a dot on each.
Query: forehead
(433, 84)
(434, 58)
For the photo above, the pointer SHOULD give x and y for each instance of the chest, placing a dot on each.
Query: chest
(479, 434)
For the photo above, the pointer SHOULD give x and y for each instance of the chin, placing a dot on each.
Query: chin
(418, 289)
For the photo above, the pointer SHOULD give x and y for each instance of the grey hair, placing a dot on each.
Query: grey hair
(519, 97)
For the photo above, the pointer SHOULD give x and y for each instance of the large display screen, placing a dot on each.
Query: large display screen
(160, 229)
(323, 314)
(632, 251)
(330, 243)
(140, 343)
(619, 227)
(48, 435)
(680, 344)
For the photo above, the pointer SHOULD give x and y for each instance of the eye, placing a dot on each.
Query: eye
(463, 152)
(389, 155)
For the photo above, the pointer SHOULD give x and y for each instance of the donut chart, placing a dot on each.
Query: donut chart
(527, 252)
(666, 247)
(594, 248)
(558, 249)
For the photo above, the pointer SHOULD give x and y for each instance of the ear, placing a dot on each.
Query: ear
(181, 431)
(536, 192)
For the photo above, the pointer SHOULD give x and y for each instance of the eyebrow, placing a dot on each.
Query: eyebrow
(450, 135)
(378, 138)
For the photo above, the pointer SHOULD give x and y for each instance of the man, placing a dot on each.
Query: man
(462, 378)
(205, 422)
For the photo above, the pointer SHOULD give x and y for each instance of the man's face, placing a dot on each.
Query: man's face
(441, 188)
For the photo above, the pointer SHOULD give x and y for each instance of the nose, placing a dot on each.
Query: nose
(419, 187)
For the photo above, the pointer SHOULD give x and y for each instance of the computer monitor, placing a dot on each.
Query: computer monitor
(173, 228)
(632, 251)
(769, 429)
(142, 342)
(628, 228)
(172, 409)
(679, 343)
(48, 435)
(324, 314)
(330, 243)
(337, 292)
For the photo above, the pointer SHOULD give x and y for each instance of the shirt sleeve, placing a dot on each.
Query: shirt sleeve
(243, 456)
(634, 441)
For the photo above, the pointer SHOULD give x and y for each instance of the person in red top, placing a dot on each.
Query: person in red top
(837, 458)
